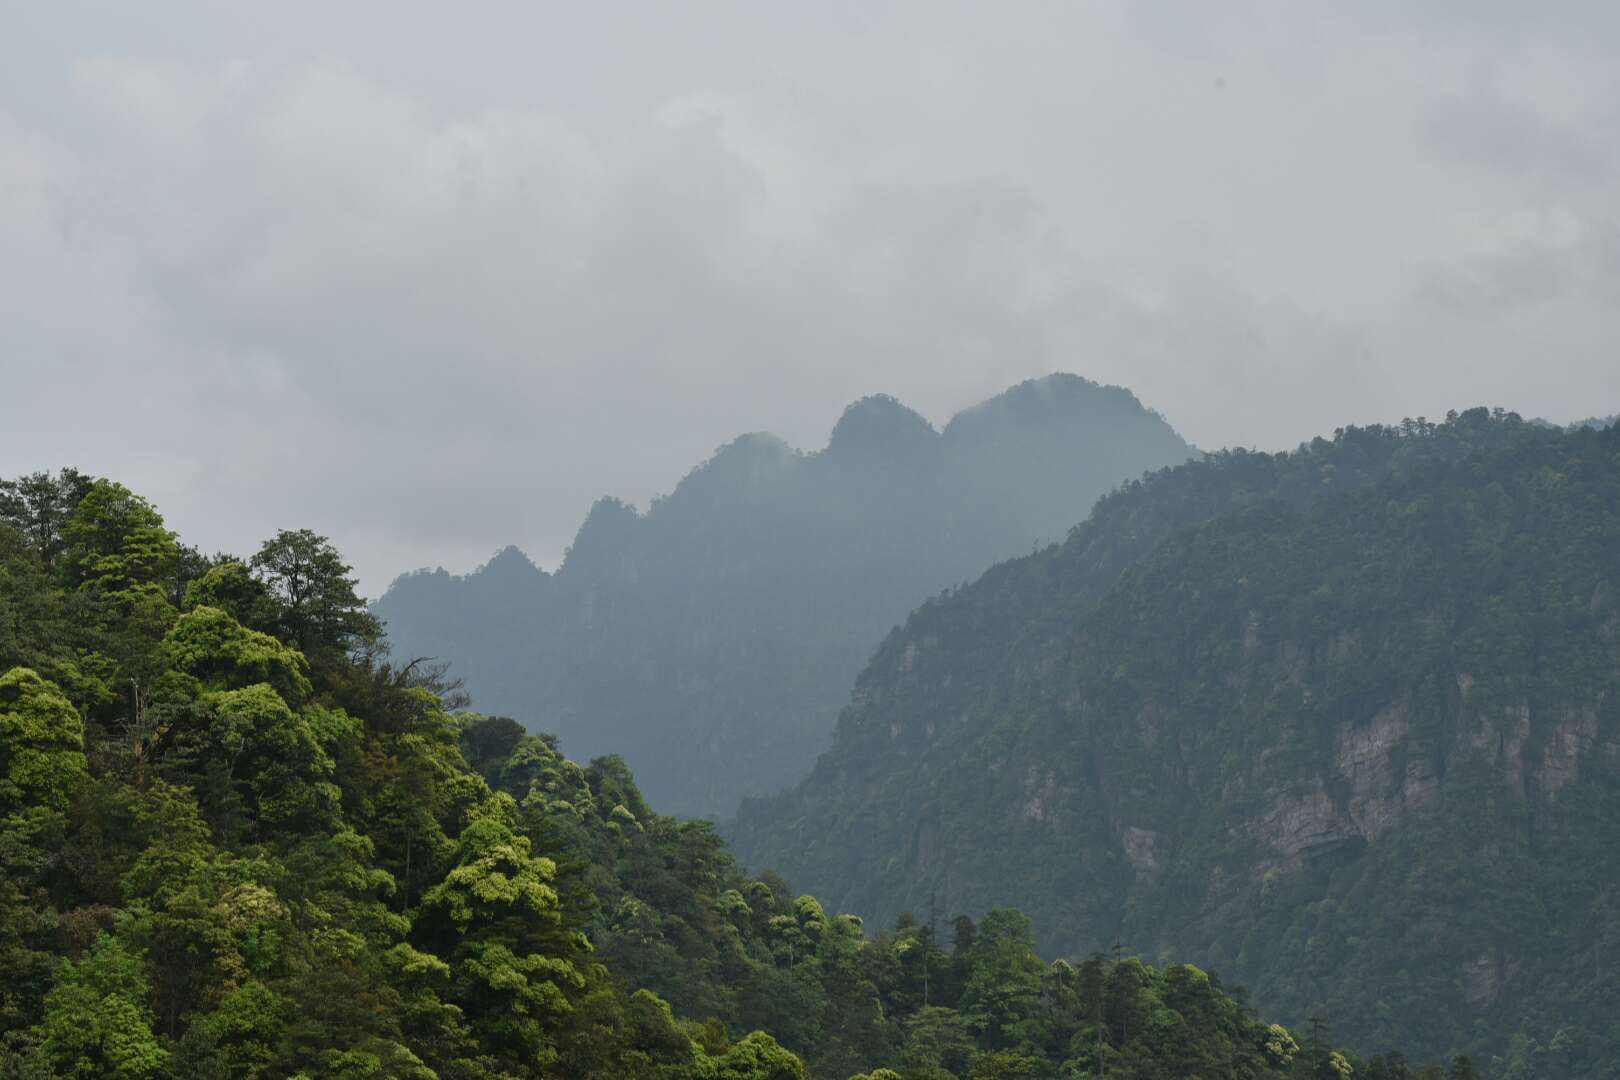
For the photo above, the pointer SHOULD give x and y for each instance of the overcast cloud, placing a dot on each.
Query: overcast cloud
(430, 278)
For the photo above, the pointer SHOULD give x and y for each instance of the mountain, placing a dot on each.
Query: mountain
(711, 639)
(1597, 422)
(237, 842)
(1341, 723)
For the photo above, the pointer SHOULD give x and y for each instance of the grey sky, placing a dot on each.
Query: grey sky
(429, 278)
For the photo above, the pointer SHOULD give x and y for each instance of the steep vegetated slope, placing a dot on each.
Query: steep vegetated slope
(713, 638)
(235, 841)
(1340, 723)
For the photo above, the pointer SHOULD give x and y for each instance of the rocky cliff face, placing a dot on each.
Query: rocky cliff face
(1354, 740)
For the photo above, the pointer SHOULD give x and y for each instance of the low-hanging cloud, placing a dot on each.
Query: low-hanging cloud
(275, 288)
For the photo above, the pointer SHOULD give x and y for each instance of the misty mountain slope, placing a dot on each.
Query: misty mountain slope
(1349, 734)
(712, 639)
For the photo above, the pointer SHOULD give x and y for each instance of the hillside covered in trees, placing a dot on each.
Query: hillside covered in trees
(713, 638)
(237, 841)
(1342, 723)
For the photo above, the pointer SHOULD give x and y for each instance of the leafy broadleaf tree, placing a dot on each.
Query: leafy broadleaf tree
(38, 506)
(320, 611)
(231, 587)
(97, 1022)
(518, 962)
(42, 768)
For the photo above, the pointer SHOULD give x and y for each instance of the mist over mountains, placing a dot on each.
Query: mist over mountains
(1339, 723)
(712, 639)
(824, 685)
(1333, 731)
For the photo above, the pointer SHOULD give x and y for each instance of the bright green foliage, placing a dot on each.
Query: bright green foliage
(41, 746)
(231, 587)
(114, 533)
(123, 571)
(1342, 724)
(42, 769)
(274, 757)
(212, 646)
(496, 879)
(238, 1037)
(97, 1023)
(144, 561)
(123, 561)
(758, 1057)
(498, 918)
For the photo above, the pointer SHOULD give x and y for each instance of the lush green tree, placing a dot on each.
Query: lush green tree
(231, 587)
(122, 565)
(97, 1023)
(39, 505)
(42, 769)
(1006, 1065)
(759, 1057)
(239, 1037)
(41, 749)
(276, 759)
(320, 611)
(1004, 989)
(488, 742)
(938, 1038)
(114, 534)
(37, 628)
(497, 918)
(213, 647)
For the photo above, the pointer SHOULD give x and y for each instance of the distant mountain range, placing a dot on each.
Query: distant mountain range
(1342, 723)
(712, 639)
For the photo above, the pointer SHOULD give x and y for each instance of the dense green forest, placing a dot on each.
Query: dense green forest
(712, 639)
(1342, 723)
(237, 841)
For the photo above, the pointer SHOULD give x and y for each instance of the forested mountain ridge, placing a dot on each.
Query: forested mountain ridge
(712, 639)
(1341, 723)
(236, 841)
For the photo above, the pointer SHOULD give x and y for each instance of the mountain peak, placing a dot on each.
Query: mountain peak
(510, 563)
(750, 596)
(605, 533)
(737, 470)
(1059, 398)
(879, 426)
(748, 451)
